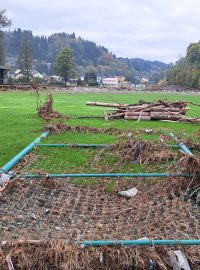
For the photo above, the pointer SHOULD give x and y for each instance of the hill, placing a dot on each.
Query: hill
(88, 55)
(186, 71)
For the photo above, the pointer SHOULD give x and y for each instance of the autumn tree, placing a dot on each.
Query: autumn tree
(186, 71)
(65, 64)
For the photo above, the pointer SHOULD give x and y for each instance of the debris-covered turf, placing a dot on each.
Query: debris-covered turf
(33, 255)
(41, 220)
(57, 128)
(51, 209)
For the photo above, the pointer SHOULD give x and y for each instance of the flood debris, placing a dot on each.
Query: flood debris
(5, 177)
(178, 260)
(128, 193)
(161, 110)
(57, 128)
(93, 213)
(47, 112)
(133, 151)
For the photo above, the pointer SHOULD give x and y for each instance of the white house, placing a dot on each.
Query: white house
(34, 73)
(113, 81)
(116, 81)
(144, 80)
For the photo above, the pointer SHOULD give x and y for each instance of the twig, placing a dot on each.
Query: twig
(9, 262)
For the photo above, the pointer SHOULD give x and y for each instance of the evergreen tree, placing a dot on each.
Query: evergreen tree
(25, 59)
(91, 79)
(65, 64)
(2, 57)
(3, 23)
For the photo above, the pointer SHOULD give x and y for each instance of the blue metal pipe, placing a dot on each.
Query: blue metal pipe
(8, 166)
(172, 146)
(66, 175)
(181, 145)
(84, 145)
(97, 243)
(72, 145)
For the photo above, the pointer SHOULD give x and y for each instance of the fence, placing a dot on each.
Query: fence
(45, 207)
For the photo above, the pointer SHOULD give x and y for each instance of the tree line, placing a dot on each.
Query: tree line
(87, 55)
(4, 22)
(186, 71)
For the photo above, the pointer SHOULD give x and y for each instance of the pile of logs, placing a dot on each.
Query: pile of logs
(161, 110)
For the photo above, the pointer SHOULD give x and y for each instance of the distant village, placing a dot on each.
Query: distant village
(12, 76)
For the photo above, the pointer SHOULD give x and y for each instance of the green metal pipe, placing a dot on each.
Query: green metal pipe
(72, 145)
(8, 166)
(172, 146)
(98, 243)
(83, 145)
(67, 175)
(181, 145)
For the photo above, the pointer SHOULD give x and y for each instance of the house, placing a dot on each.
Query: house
(55, 79)
(144, 81)
(36, 74)
(3, 72)
(113, 81)
(72, 82)
(33, 73)
(116, 81)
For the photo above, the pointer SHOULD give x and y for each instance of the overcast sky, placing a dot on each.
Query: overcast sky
(149, 29)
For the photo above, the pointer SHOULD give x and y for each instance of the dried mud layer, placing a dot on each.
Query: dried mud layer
(58, 209)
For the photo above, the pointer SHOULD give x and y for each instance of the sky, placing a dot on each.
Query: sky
(150, 29)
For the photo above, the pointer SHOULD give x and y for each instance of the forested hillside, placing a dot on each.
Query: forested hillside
(186, 71)
(88, 56)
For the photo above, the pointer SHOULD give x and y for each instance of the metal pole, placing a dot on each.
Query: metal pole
(83, 145)
(97, 243)
(181, 145)
(8, 166)
(67, 175)
(72, 145)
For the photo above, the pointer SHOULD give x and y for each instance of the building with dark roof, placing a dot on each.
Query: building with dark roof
(3, 71)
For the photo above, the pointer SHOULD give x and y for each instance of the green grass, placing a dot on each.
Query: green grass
(20, 124)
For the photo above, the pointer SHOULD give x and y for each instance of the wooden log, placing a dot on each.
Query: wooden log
(189, 120)
(118, 115)
(146, 108)
(146, 118)
(132, 113)
(103, 104)
(139, 107)
(158, 109)
(164, 116)
(172, 109)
